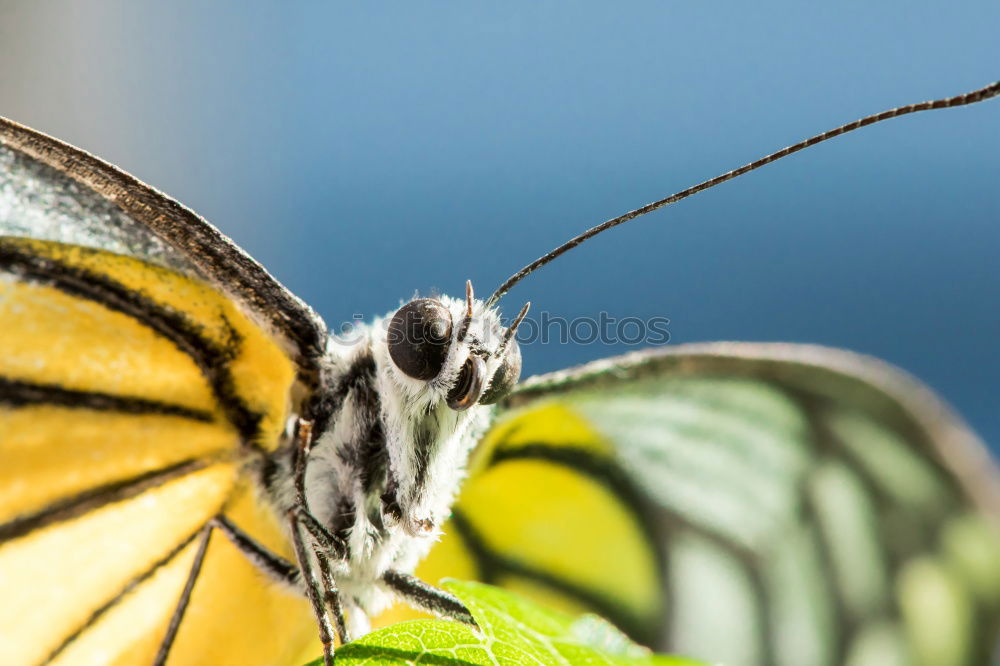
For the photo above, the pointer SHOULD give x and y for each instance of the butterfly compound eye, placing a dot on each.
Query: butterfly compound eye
(419, 334)
(505, 377)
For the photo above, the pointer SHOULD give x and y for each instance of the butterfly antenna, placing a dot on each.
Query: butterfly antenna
(984, 93)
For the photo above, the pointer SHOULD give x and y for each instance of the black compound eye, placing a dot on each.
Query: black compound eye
(419, 334)
(505, 377)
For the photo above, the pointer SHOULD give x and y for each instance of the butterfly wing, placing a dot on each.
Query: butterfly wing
(748, 504)
(53, 191)
(141, 373)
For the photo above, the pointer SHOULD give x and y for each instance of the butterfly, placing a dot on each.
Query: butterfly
(196, 471)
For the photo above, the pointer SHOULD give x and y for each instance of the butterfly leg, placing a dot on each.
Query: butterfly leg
(283, 571)
(331, 596)
(273, 565)
(317, 597)
(328, 542)
(325, 600)
(175, 620)
(427, 597)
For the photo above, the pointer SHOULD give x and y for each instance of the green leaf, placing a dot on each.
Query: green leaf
(511, 630)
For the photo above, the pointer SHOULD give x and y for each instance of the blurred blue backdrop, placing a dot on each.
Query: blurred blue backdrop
(365, 151)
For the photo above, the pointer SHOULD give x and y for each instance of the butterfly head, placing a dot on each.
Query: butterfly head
(454, 352)
(441, 362)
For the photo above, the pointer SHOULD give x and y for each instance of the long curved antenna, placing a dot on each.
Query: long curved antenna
(984, 93)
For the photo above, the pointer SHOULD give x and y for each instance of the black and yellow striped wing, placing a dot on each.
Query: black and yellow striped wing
(747, 504)
(145, 360)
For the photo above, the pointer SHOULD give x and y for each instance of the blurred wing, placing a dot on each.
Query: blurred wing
(134, 387)
(748, 504)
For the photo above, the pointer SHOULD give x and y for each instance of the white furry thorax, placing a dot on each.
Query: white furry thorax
(412, 414)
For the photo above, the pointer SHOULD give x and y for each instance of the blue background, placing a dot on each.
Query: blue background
(366, 151)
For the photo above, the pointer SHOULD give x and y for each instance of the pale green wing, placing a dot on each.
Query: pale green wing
(745, 503)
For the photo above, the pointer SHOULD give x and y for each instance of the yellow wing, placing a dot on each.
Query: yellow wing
(130, 396)
(146, 359)
(746, 504)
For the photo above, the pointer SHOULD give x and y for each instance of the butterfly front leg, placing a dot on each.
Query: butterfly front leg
(322, 592)
(275, 567)
(427, 597)
(283, 571)
(175, 619)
